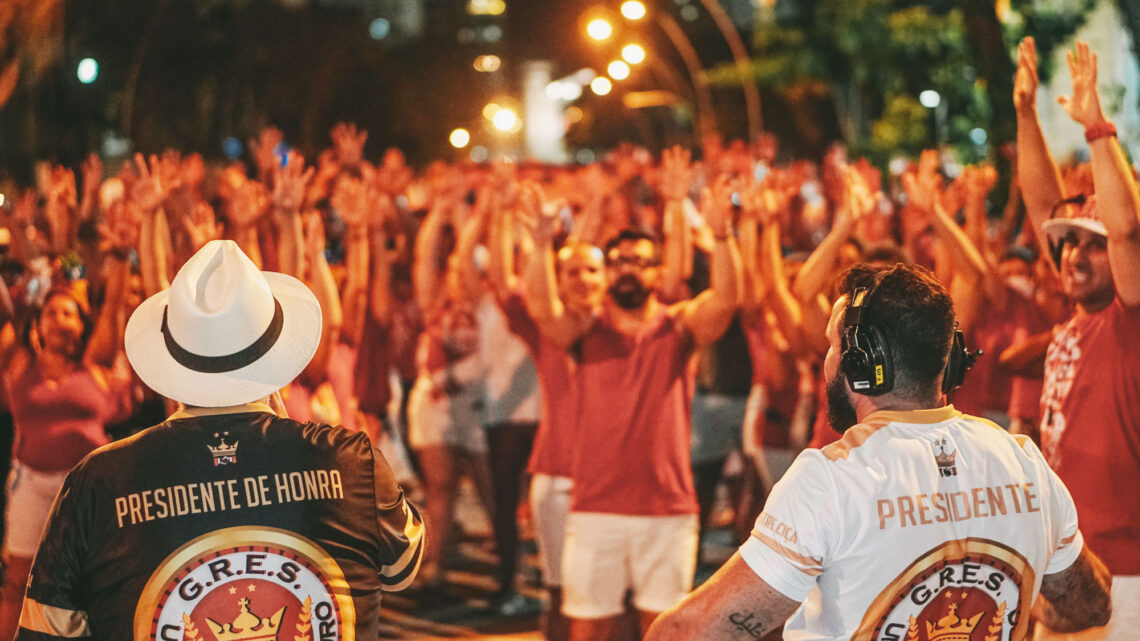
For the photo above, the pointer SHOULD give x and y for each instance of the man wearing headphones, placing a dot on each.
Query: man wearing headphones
(920, 520)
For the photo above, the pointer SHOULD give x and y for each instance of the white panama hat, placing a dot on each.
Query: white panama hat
(224, 333)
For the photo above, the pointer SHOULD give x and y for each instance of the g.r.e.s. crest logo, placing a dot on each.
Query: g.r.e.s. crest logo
(962, 590)
(247, 584)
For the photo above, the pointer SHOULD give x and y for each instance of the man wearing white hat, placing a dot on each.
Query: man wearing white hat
(226, 521)
(1090, 404)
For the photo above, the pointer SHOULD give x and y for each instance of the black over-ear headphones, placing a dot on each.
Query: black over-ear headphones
(866, 356)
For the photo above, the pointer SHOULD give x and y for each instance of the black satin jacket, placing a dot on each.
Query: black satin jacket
(234, 527)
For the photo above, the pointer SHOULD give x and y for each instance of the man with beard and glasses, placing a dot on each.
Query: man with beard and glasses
(633, 513)
(920, 520)
(1090, 400)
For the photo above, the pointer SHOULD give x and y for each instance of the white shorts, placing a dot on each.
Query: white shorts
(454, 419)
(1123, 625)
(606, 554)
(31, 494)
(549, 508)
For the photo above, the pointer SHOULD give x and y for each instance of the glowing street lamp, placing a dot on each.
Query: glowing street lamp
(601, 85)
(618, 70)
(633, 10)
(633, 54)
(599, 29)
(506, 120)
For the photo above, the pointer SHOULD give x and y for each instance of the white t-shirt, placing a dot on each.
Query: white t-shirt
(919, 524)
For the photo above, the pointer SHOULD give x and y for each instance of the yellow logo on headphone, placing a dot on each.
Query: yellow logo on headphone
(878, 375)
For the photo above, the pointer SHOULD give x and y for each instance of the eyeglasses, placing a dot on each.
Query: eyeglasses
(640, 262)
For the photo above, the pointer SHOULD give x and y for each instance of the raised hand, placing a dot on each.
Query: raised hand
(147, 190)
(716, 205)
(924, 185)
(92, 170)
(314, 232)
(393, 176)
(193, 172)
(247, 204)
(1084, 105)
(289, 184)
(263, 149)
(201, 225)
(1025, 81)
(676, 173)
(121, 225)
(350, 198)
(543, 221)
(348, 143)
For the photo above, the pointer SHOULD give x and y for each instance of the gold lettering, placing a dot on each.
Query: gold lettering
(120, 509)
(979, 502)
(965, 513)
(232, 489)
(923, 508)
(136, 508)
(192, 491)
(296, 486)
(310, 484)
(1030, 497)
(147, 516)
(337, 488)
(252, 499)
(906, 510)
(886, 511)
(160, 498)
(181, 500)
(940, 505)
(997, 501)
(220, 487)
(207, 497)
(323, 481)
(263, 488)
(282, 487)
(1013, 487)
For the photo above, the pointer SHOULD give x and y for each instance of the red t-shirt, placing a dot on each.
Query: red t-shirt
(554, 440)
(1090, 428)
(632, 453)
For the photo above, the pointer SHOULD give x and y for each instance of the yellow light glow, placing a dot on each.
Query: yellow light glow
(573, 115)
(599, 29)
(486, 7)
(506, 120)
(601, 85)
(490, 109)
(633, 54)
(618, 70)
(488, 63)
(633, 10)
(459, 138)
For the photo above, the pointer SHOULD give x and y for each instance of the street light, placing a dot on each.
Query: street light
(633, 54)
(599, 29)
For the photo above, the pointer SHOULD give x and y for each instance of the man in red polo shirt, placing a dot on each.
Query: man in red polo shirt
(633, 518)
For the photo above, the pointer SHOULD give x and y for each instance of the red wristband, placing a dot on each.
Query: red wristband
(1101, 129)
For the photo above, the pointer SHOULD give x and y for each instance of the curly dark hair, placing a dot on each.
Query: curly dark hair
(915, 315)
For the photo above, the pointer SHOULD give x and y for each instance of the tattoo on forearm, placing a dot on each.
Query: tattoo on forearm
(746, 622)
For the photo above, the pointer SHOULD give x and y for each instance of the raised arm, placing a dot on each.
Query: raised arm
(120, 232)
(500, 241)
(540, 284)
(319, 278)
(1041, 185)
(289, 185)
(677, 252)
(707, 316)
(1118, 201)
(427, 275)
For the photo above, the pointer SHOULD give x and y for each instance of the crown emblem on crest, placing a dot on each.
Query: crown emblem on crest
(247, 626)
(945, 461)
(952, 627)
(223, 452)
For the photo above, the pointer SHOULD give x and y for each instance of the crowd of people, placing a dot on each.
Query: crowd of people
(608, 343)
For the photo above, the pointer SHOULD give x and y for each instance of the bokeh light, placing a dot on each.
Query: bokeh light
(601, 85)
(618, 70)
(634, 54)
(599, 29)
(930, 98)
(459, 138)
(506, 120)
(87, 71)
(379, 29)
(633, 10)
(488, 63)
